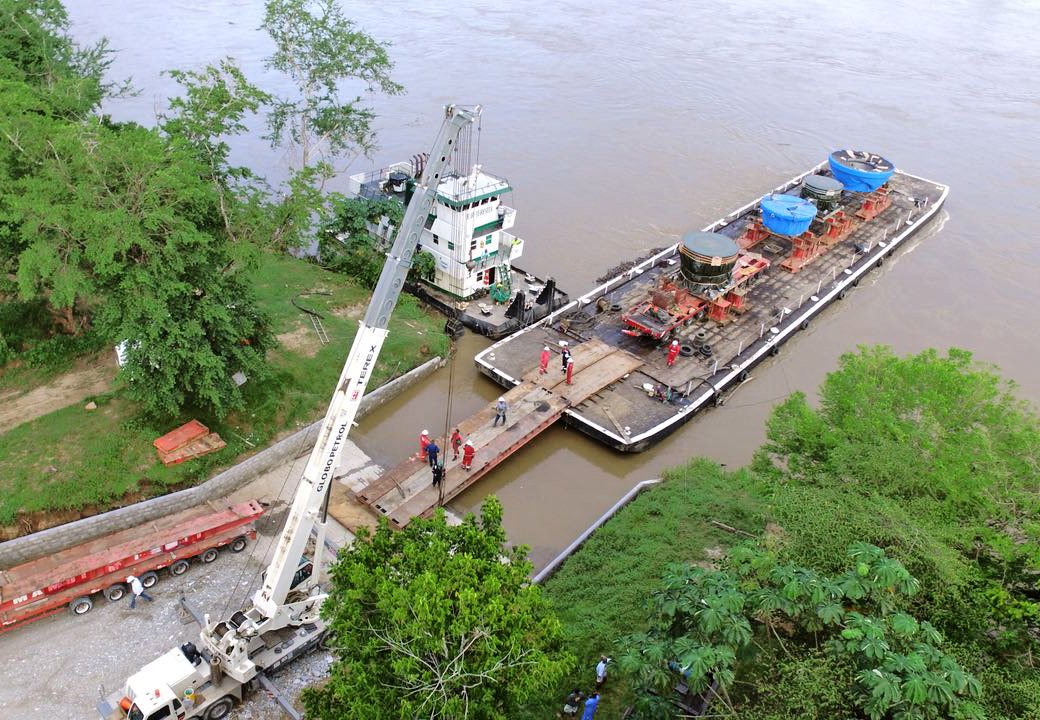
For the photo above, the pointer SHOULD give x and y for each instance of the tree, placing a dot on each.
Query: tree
(346, 243)
(320, 51)
(120, 222)
(705, 621)
(939, 448)
(437, 621)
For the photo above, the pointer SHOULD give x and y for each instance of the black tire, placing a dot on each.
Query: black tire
(743, 376)
(179, 568)
(686, 350)
(81, 605)
(804, 325)
(220, 709)
(842, 294)
(325, 641)
(115, 593)
(149, 579)
(880, 262)
(238, 544)
(775, 350)
(208, 555)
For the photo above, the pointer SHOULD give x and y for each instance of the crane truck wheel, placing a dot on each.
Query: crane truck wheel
(208, 555)
(115, 593)
(238, 544)
(179, 568)
(149, 579)
(220, 709)
(81, 606)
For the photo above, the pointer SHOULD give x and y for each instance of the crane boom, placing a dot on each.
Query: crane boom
(277, 604)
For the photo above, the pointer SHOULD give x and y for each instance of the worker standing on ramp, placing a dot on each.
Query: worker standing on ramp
(673, 352)
(543, 361)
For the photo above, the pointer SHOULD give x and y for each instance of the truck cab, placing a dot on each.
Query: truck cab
(174, 686)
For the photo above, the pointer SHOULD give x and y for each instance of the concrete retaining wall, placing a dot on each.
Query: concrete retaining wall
(45, 542)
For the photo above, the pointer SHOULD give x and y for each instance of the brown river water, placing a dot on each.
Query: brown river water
(621, 125)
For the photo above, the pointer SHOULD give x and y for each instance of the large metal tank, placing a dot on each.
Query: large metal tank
(707, 260)
(860, 171)
(824, 191)
(787, 214)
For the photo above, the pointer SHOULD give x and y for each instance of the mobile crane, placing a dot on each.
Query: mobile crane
(283, 621)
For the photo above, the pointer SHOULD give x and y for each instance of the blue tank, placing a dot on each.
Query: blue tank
(787, 214)
(860, 171)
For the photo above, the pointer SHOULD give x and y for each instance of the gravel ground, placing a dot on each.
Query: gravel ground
(53, 668)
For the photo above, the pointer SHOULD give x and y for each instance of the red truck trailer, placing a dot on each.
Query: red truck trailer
(72, 576)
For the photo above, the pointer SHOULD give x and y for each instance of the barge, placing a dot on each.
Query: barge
(699, 315)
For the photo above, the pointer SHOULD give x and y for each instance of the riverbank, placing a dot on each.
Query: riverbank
(74, 462)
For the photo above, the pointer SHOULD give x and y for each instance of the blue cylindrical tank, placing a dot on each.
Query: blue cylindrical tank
(860, 171)
(787, 214)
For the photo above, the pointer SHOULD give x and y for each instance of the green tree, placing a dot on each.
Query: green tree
(705, 621)
(331, 64)
(930, 447)
(437, 621)
(345, 242)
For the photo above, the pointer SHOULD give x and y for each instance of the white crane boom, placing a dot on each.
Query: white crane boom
(277, 604)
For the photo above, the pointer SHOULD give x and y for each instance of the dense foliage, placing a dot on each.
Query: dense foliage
(704, 622)
(437, 621)
(930, 458)
(346, 243)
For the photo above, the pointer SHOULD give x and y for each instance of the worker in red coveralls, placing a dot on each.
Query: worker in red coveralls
(543, 362)
(570, 370)
(424, 440)
(673, 352)
(456, 443)
(468, 451)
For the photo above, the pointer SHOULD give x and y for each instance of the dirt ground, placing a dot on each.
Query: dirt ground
(87, 379)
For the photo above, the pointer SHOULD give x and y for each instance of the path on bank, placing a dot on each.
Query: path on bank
(17, 407)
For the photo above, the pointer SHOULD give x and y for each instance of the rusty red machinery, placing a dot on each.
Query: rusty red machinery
(44, 586)
(712, 282)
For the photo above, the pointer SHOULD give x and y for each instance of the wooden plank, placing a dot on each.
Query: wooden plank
(179, 437)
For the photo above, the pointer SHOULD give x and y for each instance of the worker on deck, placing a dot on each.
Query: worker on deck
(468, 451)
(565, 355)
(543, 361)
(424, 440)
(438, 474)
(500, 411)
(456, 443)
(673, 352)
(431, 452)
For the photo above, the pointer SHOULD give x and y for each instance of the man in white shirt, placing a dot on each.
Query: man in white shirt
(601, 671)
(136, 590)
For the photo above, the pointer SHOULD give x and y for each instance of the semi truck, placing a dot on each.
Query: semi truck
(283, 620)
(77, 576)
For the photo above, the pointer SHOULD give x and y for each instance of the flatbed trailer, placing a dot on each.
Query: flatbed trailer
(46, 585)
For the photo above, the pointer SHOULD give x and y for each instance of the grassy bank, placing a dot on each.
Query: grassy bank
(74, 460)
(601, 591)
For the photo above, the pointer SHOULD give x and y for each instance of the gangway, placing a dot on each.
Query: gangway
(535, 403)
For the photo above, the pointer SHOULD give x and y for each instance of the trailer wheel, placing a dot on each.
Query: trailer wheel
(238, 544)
(115, 593)
(208, 555)
(149, 579)
(81, 606)
(179, 568)
(220, 709)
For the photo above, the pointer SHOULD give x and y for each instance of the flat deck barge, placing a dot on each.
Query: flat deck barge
(656, 398)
